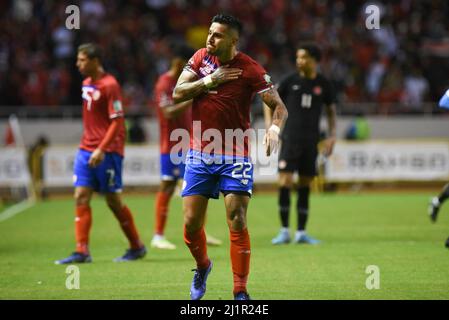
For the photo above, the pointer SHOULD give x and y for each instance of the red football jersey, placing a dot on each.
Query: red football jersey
(163, 93)
(228, 105)
(102, 102)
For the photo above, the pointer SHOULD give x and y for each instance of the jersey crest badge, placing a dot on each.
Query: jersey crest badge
(96, 95)
(117, 105)
(267, 78)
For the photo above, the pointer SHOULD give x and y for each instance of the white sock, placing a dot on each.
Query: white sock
(158, 237)
(284, 230)
(436, 202)
(300, 233)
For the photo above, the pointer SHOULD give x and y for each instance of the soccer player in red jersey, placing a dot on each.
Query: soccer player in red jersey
(171, 117)
(98, 164)
(222, 82)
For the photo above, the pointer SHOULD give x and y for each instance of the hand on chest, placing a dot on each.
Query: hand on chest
(234, 85)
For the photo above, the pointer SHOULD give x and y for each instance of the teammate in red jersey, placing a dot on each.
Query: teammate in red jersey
(171, 117)
(98, 164)
(222, 82)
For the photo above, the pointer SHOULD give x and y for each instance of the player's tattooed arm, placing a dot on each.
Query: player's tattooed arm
(275, 118)
(329, 143)
(189, 86)
(273, 101)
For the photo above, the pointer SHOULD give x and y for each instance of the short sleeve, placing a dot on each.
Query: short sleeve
(260, 79)
(194, 63)
(114, 98)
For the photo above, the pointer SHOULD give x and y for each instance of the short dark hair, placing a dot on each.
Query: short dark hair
(182, 51)
(229, 20)
(91, 50)
(312, 49)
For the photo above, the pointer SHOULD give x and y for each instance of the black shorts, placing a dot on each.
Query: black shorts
(298, 158)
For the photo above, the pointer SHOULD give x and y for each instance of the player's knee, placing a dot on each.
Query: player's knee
(192, 224)
(286, 181)
(286, 184)
(82, 198)
(237, 218)
(168, 187)
(305, 181)
(114, 203)
(192, 221)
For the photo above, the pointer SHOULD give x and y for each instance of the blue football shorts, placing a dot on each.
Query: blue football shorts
(172, 169)
(105, 178)
(208, 175)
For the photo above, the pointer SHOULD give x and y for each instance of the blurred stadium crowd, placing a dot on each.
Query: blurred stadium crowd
(406, 61)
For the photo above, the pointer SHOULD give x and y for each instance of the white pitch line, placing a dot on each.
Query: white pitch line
(16, 209)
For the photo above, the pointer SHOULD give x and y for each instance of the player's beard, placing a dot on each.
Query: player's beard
(213, 52)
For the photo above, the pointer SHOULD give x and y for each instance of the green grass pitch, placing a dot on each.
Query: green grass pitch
(391, 231)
